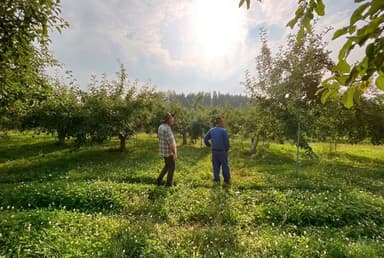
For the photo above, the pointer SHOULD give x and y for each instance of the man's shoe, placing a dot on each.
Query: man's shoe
(227, 182)
(169, 185)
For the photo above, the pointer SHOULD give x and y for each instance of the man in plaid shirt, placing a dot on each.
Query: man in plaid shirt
(167, 149)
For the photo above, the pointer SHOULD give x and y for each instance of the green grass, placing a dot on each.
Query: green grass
(97, 202)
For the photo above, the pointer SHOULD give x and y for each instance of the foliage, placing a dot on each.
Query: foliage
(59, 114)
(364, 30)
(207, 99)
(284, 91)
(118, 108)
(24, 39)
(108, 109)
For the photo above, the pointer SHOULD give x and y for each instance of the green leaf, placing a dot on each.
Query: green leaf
(363, 66)
(353, 75)
(292, 23)
(325, 96)
(328, 93)
(357, 13)
(352, 29)
(380, 82)
(342, 79)
(300, 11)
(356, 96)
(379, 61)
(376, 5)
(370, 50)
(340, 32)
(348, 97)
(320, 8)
(343, 67)
(344, 51)
(306, 22)
(248, 3)
(371, 31)
(45, 30)
(300, 34)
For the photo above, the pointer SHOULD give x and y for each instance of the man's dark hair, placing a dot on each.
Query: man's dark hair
(167, 116)
(218, 119)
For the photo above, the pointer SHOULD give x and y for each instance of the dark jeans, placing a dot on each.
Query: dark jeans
(220, 159)
(169, 168)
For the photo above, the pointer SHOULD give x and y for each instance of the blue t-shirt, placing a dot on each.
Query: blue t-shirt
(219, 139)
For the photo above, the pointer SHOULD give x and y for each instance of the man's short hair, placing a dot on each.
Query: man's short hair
(167, 116)
(218, 119)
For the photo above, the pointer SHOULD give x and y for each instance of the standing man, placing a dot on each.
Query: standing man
(167, 149)
(217, 140)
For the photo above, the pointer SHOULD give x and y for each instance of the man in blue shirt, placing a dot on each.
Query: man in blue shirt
(217, 140)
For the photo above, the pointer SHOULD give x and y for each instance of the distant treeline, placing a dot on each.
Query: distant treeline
(207, 99)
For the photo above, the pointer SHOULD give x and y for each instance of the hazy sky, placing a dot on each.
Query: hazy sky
(181, 45)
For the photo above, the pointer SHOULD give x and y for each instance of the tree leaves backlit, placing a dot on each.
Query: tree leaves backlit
(364, 30)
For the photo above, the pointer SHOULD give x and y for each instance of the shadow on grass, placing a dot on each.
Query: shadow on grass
(51, 167)
(14, 152)
(370, 164)
(96, 162)
(342, 170)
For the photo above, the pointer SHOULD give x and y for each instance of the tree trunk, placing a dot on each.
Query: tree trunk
(122, 139)
(184, 138)
(254, 143)
(335, 144)
(61, 138)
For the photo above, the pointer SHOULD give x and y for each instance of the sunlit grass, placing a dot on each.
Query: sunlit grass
(55, 201)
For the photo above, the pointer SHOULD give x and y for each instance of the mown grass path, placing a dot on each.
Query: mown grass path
(100, 202)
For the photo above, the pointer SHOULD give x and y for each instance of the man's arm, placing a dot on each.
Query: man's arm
(173, 149)
(226, 141)
(172, 144)
(207, 138)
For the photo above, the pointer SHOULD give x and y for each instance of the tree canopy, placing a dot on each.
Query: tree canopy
(24, 38)
(365, 30)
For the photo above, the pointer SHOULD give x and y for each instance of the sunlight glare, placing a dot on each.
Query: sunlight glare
(219, 27)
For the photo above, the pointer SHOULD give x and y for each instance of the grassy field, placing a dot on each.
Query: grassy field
(100, 202)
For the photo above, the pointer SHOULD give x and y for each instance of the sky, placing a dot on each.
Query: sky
(179, 45)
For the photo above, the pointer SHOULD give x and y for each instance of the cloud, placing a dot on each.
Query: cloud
(338, 16)
(164, 40)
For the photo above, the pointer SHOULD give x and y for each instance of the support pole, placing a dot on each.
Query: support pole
(298, 147)
(298, 131)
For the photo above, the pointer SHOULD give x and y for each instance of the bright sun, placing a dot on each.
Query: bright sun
(218, 27)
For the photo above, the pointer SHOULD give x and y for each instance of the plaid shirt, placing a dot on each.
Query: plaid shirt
(165, 138)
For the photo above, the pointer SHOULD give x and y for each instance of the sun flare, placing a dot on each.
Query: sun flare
(218, 27)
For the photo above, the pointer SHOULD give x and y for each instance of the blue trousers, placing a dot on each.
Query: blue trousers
(220, 159)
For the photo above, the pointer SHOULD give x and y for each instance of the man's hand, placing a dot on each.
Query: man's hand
(172, 148)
